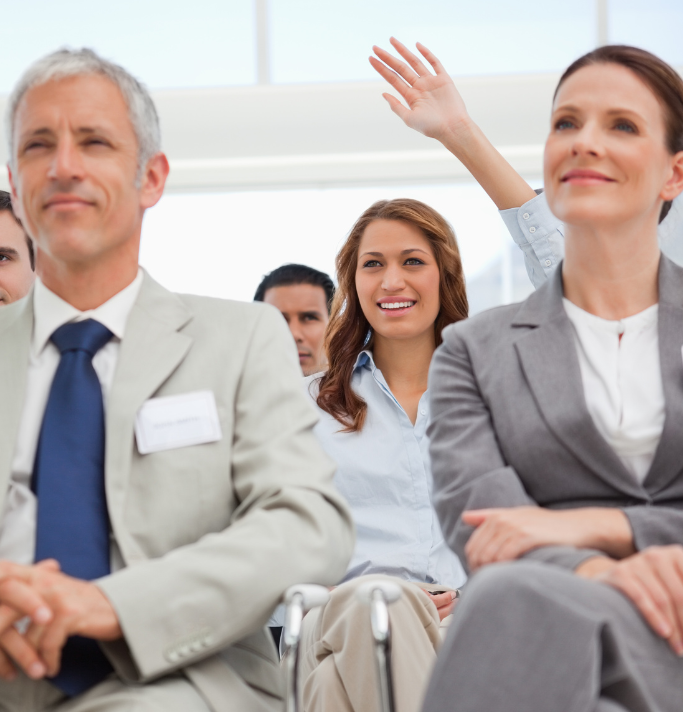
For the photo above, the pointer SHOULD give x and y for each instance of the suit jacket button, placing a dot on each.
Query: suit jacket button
(172, 656)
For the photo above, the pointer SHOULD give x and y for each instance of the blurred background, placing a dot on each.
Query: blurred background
(279, 138)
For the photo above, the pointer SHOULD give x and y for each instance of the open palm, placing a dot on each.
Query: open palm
(434, 104)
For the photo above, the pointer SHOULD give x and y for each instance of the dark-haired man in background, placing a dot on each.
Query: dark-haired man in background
(304, 296)
(17, 261)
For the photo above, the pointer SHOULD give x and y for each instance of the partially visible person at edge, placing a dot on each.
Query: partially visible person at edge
(436, 109)
(304, 296)
(17, 259)
(556, 438)
(400, 283)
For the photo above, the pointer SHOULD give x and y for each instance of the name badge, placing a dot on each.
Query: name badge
(177, 421)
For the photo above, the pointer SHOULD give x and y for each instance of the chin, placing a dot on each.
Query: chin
(590, 209)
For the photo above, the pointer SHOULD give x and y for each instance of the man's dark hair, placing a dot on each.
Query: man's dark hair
(6, 205)
(291, 274)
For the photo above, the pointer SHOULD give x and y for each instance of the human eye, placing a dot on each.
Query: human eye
(310, 317)
(563, 124)
(96, 141)
(34, 144)
(626, 126)
(413, 261)
(371, 263)
(4, 258)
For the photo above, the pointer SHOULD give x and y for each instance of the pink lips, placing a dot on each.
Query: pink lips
(67, 202)
(585, 176)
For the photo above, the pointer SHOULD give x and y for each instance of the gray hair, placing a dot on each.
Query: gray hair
(77, 62)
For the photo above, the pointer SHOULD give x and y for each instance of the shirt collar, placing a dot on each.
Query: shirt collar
(364, 358)
(50, 312)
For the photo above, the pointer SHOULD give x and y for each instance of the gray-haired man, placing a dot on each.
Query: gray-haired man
(157, 459)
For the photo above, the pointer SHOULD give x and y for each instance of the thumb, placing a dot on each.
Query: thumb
(397, 107)
(475, 517)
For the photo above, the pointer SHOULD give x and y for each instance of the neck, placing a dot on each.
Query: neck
(612, 272)
(88, 285)
(404, 363)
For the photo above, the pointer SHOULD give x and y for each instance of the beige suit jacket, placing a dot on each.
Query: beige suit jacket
(211, 535)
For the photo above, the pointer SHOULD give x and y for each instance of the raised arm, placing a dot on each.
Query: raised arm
(436, 109)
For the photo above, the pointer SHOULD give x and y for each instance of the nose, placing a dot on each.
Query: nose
(67, 162)
(393, 280)
(587, 141)
(295, 328)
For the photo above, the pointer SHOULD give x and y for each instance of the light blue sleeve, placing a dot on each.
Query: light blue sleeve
(540, 236)
(671, 232)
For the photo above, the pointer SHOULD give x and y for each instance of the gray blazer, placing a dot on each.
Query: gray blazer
(510, 426)
(211, 535)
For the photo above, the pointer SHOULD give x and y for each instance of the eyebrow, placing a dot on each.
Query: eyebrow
(8, 251)
(571, 107)
(403, 252)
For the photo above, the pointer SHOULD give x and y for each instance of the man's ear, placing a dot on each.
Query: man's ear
(154, 180)
(674, 186)
(16, 203)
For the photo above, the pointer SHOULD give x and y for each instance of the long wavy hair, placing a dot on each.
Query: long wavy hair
(349, 330)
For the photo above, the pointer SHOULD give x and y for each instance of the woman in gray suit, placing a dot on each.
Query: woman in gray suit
(556, 426)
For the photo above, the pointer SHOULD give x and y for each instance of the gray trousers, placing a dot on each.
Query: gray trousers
(530, 637)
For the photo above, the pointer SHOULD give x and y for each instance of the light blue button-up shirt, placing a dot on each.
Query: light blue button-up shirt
(540, 236)
(384, 472)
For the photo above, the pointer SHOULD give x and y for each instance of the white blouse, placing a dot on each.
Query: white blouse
(622, 382)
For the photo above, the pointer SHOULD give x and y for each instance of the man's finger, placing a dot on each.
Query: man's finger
(7, 670)
(22, 597)
(23, 654)
(51, 645)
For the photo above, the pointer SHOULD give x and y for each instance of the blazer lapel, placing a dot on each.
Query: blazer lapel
(668, 460)
(551, 366)
(152, 348)
(15, 343)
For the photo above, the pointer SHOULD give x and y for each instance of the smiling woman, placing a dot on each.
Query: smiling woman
(400, 283)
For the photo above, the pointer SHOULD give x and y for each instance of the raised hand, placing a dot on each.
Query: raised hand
(435, 107)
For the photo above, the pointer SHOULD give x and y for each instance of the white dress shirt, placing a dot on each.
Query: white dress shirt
(622, 382)
(384, 472)
(18, 523)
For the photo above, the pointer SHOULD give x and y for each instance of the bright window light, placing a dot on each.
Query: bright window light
(164, 43)
(654, 25)
(315, 41)
(222, 244)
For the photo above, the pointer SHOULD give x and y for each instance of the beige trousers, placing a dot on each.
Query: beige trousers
(170, 694)
(337, 664)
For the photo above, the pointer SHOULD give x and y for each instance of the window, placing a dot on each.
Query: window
(165, 43)
(221, 244)
(654, 25)
(314, 41)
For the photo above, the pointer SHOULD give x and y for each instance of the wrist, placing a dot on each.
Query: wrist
(590, 568)
(462, 137)
(610, 532)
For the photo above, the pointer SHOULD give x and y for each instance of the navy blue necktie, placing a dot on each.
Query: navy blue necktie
(68, 479)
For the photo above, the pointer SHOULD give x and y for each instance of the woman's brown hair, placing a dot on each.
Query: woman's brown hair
(348, 331)
(664, 82)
